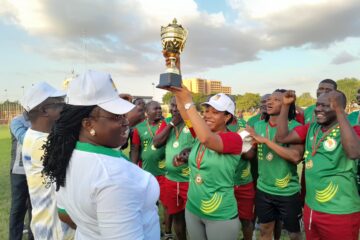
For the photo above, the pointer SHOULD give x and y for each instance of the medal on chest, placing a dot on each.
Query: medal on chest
(176, 144)
(269, 156)
(198, 179)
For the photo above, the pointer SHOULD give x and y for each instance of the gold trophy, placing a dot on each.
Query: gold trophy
(173, 38)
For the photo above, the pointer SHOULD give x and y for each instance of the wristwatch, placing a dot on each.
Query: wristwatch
(187, 106)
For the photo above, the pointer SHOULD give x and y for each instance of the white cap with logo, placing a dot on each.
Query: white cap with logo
(222, 102)
(38, 93)
(97, 88)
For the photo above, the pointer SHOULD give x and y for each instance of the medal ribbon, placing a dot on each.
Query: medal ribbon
(267, 133)
(200, 155)
(315, 145)
(177, 132)
(149, 128)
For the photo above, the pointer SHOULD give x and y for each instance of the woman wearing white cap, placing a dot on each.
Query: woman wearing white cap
(95, 184)
(211, 209)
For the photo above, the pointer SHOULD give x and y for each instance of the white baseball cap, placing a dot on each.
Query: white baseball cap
(97, 88)
(38, 93)
(221, 102)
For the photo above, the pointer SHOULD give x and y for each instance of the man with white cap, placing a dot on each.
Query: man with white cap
(43, 105)
(106, 196)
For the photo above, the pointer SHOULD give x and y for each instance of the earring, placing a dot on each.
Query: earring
(92, 132)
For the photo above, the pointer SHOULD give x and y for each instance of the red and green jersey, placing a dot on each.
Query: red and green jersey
(153, 159)
(211, 184)
(330, 175)
(254, 119)
(179, 138)
(276, 175)
(238, 126)
(309, 114)
(242, 173)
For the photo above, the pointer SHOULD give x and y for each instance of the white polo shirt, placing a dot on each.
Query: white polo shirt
(108, 197)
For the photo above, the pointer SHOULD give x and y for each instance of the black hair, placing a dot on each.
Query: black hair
(330, 81)
(137, 99)
(292, 109)
(61, 143)
(149, 104)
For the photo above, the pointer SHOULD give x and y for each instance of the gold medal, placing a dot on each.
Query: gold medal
(176, 144)
(198, 179)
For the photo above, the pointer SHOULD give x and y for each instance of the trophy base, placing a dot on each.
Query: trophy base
(169, 80)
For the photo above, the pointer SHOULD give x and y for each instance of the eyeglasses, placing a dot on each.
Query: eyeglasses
(115, 118)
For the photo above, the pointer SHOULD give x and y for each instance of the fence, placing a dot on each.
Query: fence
(8, 110)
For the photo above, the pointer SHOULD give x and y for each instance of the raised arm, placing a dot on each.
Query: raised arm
(349, 138)
(18, 128)
(283, 135)
(162, 134)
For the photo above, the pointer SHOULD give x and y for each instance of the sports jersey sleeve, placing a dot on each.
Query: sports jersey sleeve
(300, 118)
(232, 142)
(357, 130)
(161, 128)
(135, 137)
(302, 131)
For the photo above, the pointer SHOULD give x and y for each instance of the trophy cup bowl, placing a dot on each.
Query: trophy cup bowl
(173, 38)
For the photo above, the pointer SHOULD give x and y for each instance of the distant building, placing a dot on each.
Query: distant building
(204, 86)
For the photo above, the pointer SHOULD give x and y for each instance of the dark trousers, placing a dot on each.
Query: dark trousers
(20, 203)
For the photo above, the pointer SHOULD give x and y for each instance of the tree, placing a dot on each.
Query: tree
(247, 101)
(167, 97)
(349, 87)
(305, 100)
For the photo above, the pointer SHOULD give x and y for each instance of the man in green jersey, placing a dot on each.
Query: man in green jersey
(277, 195)
(332, 145)
(325, 86)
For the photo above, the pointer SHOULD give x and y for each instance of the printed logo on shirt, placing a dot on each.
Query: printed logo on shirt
(246, 172)
(162, 164)
(309, 164)
(327, 193)
(210, 206)
(330, 144)
(269, 156)
(185, 171)
(283, 182)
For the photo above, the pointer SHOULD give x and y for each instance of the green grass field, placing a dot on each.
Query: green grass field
(4, 181)
(5, 184)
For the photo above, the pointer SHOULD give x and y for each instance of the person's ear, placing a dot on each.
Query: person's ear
(87, 124)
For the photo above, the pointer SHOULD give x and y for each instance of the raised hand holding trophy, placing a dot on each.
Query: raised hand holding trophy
(173, 38)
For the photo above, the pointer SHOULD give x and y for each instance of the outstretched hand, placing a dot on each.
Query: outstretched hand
(182, 94)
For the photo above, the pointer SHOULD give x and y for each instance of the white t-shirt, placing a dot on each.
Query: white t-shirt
(108, 197)
(45, 223)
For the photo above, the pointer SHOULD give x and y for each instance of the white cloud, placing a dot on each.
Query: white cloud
(344, 57)
(126, 33)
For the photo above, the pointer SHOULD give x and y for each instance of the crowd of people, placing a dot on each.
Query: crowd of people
(212, 174)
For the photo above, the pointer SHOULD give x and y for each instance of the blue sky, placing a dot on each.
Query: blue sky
(250, 45)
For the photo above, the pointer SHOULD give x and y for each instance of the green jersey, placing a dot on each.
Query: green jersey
(238, 126)
(254, 119)
(211, 185)
(276, 175)
(354, 118)
(309, 114)
(242, 173)
(153, 159)
(330, 175)
(179, 139)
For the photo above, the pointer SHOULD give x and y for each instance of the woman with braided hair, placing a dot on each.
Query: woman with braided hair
(95, 184)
